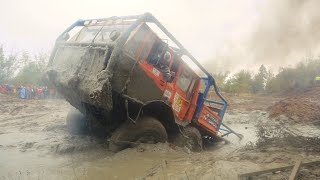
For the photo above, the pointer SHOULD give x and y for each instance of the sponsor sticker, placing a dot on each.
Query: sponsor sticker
(155, 71)
(177, 102)
(167, 94)
(212, 121)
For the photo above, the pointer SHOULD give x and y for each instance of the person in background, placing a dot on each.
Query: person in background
(22, 93)
(2, 89)
(40, 92)
(45, 92)
(34, 92)
(19, 90)
(31, 92)
(317, 80)
(7, 88)
(14, 90)
(27, 92)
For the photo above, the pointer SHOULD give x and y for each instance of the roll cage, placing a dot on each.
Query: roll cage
(134, 22)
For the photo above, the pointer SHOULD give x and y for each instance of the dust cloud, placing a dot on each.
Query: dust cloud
(287, 32)
(284, 33)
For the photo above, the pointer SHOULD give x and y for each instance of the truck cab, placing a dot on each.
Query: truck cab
(181, 86)
(120, 73)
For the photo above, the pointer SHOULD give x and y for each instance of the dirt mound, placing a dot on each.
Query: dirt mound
(303, 107)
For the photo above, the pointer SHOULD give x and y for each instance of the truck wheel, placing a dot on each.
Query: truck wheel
(191, 139)
(146, 130)
(76, 122)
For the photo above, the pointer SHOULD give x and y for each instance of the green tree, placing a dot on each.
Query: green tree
(241, 82)
(32, 72)
(221, 79)
(259, 80)
(8, 65)
(29, 74)
(299, 77)
(42, 61)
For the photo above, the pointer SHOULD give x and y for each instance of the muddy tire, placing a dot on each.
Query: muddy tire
(76, 122)
(190, 138)
(146, 130)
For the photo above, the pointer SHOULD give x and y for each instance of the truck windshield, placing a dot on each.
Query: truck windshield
(100, 34)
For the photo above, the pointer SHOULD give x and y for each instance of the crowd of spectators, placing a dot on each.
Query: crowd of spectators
(29, 92)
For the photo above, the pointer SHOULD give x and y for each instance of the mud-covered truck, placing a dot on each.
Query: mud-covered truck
(121, 76)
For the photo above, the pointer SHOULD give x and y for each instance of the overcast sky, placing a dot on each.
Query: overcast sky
(214, 31)
(202, 26)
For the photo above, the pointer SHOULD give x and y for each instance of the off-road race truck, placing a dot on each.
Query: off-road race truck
(122, 77)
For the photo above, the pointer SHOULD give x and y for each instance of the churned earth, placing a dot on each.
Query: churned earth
(35, 144)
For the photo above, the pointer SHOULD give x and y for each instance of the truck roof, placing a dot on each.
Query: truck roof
(124, 24)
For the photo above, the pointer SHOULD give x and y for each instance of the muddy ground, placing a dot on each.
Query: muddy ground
(35, 144)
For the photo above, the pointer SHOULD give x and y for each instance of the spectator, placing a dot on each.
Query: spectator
(22, 93)
(40, 92)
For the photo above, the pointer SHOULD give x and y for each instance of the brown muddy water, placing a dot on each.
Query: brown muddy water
(35, 144)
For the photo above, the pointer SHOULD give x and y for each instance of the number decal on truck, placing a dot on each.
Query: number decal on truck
(177, 102)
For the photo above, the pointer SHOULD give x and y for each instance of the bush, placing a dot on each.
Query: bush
(299, 77)
(22, 69)
(241, 82)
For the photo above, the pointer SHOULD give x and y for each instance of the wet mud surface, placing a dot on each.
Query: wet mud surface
(35, 144)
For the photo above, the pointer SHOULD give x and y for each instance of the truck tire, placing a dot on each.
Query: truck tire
(190, 138)
(76, 122)
(146, 130)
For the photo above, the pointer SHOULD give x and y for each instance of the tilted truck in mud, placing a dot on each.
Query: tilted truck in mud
(122, 76)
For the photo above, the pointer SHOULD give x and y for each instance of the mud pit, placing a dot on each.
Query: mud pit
(35, 144)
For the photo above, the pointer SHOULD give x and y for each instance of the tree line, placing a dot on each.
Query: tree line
(22, 68)
(299, 77)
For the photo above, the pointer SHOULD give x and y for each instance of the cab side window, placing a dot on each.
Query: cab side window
(148, 44)
(157, 52)
(184, 80)
(190, 90)
(136, 41)
(175, 64)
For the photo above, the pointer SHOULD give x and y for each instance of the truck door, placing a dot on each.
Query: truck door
(184, 89)
(145, 47)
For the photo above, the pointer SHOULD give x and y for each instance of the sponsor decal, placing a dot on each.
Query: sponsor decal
(177, 102)
(167, 94)
(155, 71)
(211, 120)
